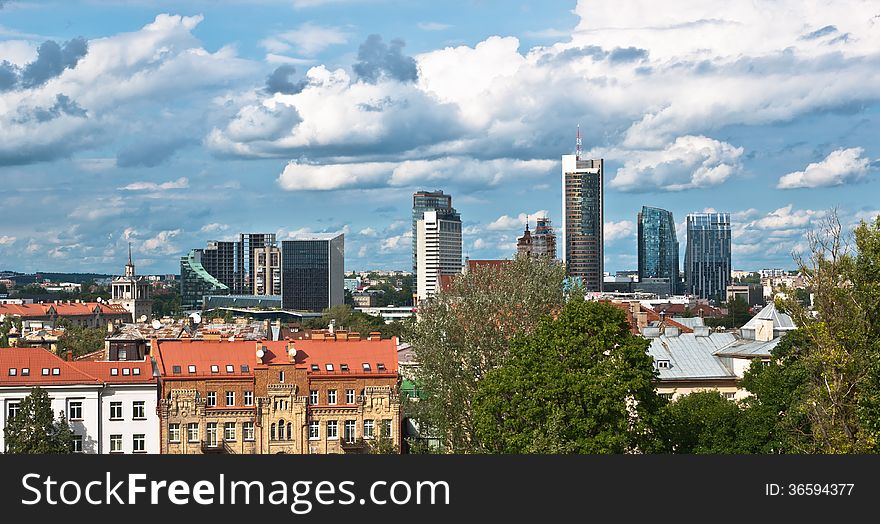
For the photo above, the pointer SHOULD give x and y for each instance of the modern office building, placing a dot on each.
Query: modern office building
(540, 243)
(658, 249)
(245, 256)
(707, 257)
(438, 236)
(196, 282)
(312, 272)
(582, 216)
(426, 201)
(267, 271)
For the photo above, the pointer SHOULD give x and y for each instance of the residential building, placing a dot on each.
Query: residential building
(327, 394)
(425, 201)
(658, 250)
(363, 299)
(772, 273)
(132, 292)
(438, 235)
(84, 314)
(707, 257)
(110, 405)
(389, 313)
(312, 272)
(541, 243)
(582, 220)
(705, 360)
(267, 271)
(196, 282)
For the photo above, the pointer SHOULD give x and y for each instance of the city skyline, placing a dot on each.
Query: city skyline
(169, 124)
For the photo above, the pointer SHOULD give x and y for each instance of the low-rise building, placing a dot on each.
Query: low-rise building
(110, 406)
(85, 314)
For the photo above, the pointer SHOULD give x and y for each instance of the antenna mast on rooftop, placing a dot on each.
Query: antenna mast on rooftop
(577, 154)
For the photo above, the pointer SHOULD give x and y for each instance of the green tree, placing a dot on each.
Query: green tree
(777, 408)
(79, 339)
(737, 315)
(582, 383)
(382, 443)
(700, 422)
(464, 332)
(34, 429)
(840, 348)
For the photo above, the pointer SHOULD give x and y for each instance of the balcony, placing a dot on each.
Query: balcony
(354, 446)
(214, 446)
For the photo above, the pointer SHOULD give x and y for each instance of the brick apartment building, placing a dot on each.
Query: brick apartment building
(332, 393)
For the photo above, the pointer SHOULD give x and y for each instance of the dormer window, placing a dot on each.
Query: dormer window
(191, 369)
(175, 370)
(380, 366)
(56, 371)
(136, 371)
(230, 368)
(367, 366)
(215, 369)
(13, 372)
(114, 372)
(315, 367)
(329, 367)
(25, 372)
(45, 372)
(343, 367)
(663, 364)
(126, 371)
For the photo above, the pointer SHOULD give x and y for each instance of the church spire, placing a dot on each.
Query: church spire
(129, 268)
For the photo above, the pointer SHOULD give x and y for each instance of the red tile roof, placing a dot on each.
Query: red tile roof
(651, 316)
(73, 309)
(206, 353)
(36, 360)
(353, 353)
(119, 372)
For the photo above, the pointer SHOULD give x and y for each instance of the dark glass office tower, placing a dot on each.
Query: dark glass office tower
(582, 213)
(426, 201)
(707, 257)
(196, 282)
(219, 259)
(312, 272)
(658, 248)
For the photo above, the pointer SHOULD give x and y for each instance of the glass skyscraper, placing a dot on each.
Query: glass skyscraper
(312, 272)
(196, 282)
(658, 247)
(582, 214)
(707, 257)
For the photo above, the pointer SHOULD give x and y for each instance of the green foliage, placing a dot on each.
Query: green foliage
(737, 315)
(382, 443)
(701, 422)
(78, 339)
(464, 332)
(582, 383)
(34, 429)
(5, 327)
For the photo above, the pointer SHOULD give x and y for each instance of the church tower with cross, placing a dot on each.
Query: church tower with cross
(133, 292)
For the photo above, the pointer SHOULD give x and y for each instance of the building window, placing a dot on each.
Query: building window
(122, 354)
(349, 431)
(137, 408)
(45, 372)
(368, 429)
(116, 411)
(230, 368)
(247, 431)
(12, 372)
(115, 443)
(349, 396)
(380, 366)
(211, 433)
(230, 398)
(313, 397)
(139, 444)
(11, 410)
(386, 428)
(730, 396)
(329, 367)
(331, 396)
(215, 368)
(75, 411)
(248, 398)
(272, 432)
(56, 371)
(229, 431)
(366, 366)
(191, 369)
(212, 399)
(281, 429)
(175, 370)
(343, 367)
(192, 432)
(173, 432)
(314, 430)
(667, 396)
(245, 368)
(281, 377)
(332, 430)
(77, 445)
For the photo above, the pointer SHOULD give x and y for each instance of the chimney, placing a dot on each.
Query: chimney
(291, 352)
(354, 336)
(375, 336)
(764, 330)
(701, 331)
(69, 355)
(261, 352)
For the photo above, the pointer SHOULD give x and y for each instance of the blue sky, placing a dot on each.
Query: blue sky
(168, 124)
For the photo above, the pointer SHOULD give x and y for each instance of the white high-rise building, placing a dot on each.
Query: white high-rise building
(438, 253)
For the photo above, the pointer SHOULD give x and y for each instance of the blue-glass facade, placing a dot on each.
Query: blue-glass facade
(707, 257)
(658, 247)
(312, 276)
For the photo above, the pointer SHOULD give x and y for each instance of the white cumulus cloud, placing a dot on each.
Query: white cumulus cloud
(842, 166)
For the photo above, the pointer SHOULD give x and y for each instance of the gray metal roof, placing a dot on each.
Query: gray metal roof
(690, 322)
(749, 348)
(692, 357)
(781, 321)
